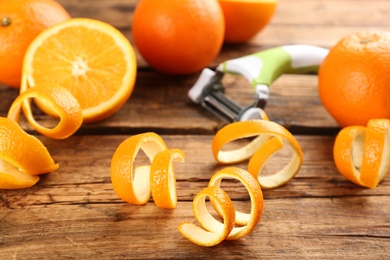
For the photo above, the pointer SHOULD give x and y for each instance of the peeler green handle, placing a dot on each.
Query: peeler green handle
(261, 69)
(266, 66)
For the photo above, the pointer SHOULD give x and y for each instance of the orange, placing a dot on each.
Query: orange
(178, 36)
(162, 178)
(22, 157)
(362, 154)
(212, 231)
(354, 78)
(90, 58)
(268, 138)
(132, 184)
(213, 237)
(21, 21)
(246, 18)
(61, 101)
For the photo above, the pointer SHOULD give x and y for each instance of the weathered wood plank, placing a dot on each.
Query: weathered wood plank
(87, 179)
(161, 103)
(307, 228)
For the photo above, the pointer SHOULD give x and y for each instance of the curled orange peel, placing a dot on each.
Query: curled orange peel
(22, 157)
(220, 230)
(269, 137)
(133, 185)
(60, 100)
(211, 231)
(162, 178)
(362, 154)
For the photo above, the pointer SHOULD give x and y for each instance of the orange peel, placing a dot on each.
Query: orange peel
(259, 150)
(162, 178)
(134, 187)
(220, 230)
(246, 221)
(22, 157)
(362, 154)
(60, 100)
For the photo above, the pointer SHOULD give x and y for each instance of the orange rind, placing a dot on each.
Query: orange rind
(133, 185)
(213, 231)
(246, 221)
(268, 138)
(22, 157)
(61, 102)
(219, 231)
(362, 154)
(162, 178)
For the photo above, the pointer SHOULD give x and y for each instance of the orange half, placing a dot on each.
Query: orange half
(90, 58)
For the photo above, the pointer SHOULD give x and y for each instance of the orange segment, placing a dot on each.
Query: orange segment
(362, 154)
(60, 100)
(219, 230)
(261, 131)
(90, 58)
(21, 157)
(162, 178)
(134, 187)
(248, 221)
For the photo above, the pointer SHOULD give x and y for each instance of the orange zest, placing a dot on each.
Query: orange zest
(60, 100)
(134, 187)
(220, 230)
(90, 58)
(212, 231)
(22, 157)
(162, 178)
(269, 137)
(362, 154)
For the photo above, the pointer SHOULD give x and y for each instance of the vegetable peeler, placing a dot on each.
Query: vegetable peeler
(261, 69)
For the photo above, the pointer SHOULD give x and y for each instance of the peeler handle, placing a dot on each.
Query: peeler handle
(263, 68)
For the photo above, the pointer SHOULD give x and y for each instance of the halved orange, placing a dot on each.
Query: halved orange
(60, 100)
(259, 150)
(163, 179)
(220, 230)
(22, 157)
(362, 154)
(90, 58)
(133, 185)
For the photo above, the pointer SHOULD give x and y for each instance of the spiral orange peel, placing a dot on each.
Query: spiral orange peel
(60, 100)
(362, 154)
(269, 137)
(211, 231)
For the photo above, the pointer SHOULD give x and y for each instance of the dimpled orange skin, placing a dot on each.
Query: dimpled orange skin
(245, 19)
(27, 18)
(178, 36)
(354, 78)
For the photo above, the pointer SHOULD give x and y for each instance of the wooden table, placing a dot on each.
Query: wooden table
(73, 213)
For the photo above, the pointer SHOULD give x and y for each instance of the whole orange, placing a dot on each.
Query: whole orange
(21, 21)
(178, 36)
(354, 79)
(246, 18)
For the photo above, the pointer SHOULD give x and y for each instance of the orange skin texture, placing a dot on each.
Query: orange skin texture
(178, 36)
(244, 20)
(28, 18)
(354, 79)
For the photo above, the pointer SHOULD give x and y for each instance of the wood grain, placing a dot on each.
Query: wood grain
(74, 213)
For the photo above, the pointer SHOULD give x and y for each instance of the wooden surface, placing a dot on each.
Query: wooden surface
(73, 213)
